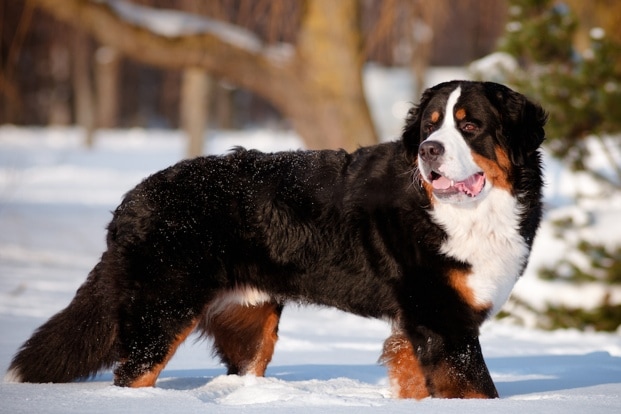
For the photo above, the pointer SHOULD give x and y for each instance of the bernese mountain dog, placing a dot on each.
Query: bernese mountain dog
(429, 232)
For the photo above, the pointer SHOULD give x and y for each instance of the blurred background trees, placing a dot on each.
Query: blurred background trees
(573, 69)
(567, 56)
(77, 61)
(233, 64)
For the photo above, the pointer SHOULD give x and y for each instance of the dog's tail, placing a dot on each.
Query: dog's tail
(75, 343)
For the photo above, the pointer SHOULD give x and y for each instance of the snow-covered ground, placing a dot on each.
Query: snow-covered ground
(55, 201)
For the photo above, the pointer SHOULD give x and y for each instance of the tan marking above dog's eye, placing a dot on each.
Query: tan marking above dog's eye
(460, 114)
(435, 116)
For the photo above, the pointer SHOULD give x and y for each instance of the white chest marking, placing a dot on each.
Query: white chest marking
(241, 296)
(485, 235)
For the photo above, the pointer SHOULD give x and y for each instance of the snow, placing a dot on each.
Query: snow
(494, 67)
(55, 201)
(175, 23)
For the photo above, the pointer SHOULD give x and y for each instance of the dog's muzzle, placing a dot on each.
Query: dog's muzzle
(431, 159)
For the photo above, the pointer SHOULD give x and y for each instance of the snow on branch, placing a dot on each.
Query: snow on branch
(174, 23)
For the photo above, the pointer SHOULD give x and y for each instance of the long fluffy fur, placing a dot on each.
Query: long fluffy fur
(349, 230)
(76, 343)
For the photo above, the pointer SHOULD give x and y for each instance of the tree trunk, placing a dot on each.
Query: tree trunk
(332, 111)
(319, 86)
(329, 122)
(84, 104)
(60, 70)
(108, 61)
(422, 18)
(223, 105)
(195, 88)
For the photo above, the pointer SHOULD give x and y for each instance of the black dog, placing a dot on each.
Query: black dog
(430, 232)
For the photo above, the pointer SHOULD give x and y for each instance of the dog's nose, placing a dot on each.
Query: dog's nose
(430, 150)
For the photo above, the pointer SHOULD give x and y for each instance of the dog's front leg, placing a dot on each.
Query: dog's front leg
(453, 366)
(406, 376)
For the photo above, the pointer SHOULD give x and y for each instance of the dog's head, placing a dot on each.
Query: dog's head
(468, 137)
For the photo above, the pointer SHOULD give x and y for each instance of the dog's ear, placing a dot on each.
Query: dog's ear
(522, 121)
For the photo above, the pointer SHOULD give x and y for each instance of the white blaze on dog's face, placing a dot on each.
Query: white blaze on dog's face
(445, 159)
(465, 166)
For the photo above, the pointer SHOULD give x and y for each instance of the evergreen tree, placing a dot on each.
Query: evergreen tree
(581, 90)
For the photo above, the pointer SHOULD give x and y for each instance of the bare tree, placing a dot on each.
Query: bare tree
(316, 83)
(108, 61)
(194, 107)
(403, 31)
(84, 107)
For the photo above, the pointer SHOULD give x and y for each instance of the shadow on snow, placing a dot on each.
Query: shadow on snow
(513, 376)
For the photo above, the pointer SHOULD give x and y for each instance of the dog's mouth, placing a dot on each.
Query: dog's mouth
(471, 186)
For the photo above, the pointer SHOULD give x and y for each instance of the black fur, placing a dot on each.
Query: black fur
(351, 231)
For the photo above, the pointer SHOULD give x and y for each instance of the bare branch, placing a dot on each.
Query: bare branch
(317, 82)
(222, 55)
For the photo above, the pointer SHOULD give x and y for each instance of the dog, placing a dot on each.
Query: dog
(429, 232)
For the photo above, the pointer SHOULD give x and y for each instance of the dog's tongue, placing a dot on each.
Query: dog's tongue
(442, 183)
(471, 185)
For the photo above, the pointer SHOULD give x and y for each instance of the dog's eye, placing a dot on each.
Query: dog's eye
(468, 127)
(429, 127)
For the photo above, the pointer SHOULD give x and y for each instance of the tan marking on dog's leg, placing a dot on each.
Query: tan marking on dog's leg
(266, 348)
(245, 336)
(447, 384)
(149, 378)
(406, 376)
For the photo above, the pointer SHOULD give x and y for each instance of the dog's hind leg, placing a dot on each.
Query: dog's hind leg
(152, 325)
(145, 362)
(244, 336)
